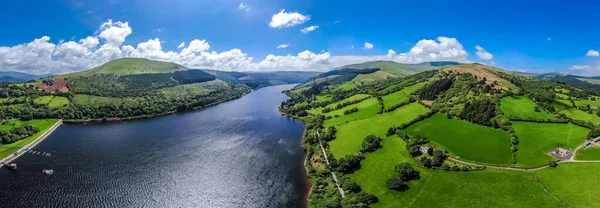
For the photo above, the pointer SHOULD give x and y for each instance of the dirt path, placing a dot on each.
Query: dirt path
(332, 173)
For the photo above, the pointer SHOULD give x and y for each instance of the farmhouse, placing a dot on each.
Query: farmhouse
(587, 144)
(560, 151)
(426, 149)
(596, 139)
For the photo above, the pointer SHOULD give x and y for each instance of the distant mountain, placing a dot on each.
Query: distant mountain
(527, 74)
(589, 83)
(15, 77)
(261, 79)
(125, 66)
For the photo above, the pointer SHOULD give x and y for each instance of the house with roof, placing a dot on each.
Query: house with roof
(597, 139)
(587, 143)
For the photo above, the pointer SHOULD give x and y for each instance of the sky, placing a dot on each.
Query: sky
(62, 36)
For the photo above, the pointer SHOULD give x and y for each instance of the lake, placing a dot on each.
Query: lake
(241, 153)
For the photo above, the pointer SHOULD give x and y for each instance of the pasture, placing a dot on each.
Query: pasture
(536, 139)
(401, 96)
(366, 109)
(574, 183)
(523, 107)
(589, 153)
(487, 188)
(581, 115)
(470, 142)
(349, 136)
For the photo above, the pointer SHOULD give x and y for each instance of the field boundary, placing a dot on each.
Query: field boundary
(24, 149)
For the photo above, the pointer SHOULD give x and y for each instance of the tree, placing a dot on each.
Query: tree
(426, 162)
(350, 185)
(413, 149)
(537, 109)
(438, 158)
(396, 184)
(370, 143)
(553, 164)
(406, 172)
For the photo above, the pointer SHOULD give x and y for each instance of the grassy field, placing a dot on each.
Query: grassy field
(580, 115)
(58, 102)
(536, 139)
(378, 75)
(400, 96)
(128, 66)
(589, 153)
(592, 103)
(345, 86)
(366, 108)
(43, 125)
(349, 136)
(574, 183)
(333, 105)
(43, 100)
(467, 140)
(523, 107)
(560, 105)
(488, 188)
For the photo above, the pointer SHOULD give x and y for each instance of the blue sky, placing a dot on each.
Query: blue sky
(519, 35)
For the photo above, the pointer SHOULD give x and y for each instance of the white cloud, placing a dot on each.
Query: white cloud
(243, 7)
(483, 54)
(580, 67)
(282, 46)
(309, 29)
(391, 53)
(41, 56)
(285, 19)
(181, 45)
(592, 53)
(368, 45)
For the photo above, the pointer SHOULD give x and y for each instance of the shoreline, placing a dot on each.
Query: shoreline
(22, 150)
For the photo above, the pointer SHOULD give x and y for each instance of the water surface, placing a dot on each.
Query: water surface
(242, 153)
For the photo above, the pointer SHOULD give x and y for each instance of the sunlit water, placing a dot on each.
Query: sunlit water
(241, 153)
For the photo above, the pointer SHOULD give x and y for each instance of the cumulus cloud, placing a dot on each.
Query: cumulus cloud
(580, 67)
(287, 19)
(42, 56)
(592, 53)
(243, 7)
(282, 46)
(368, 45)
(483, 54)
(309, 29)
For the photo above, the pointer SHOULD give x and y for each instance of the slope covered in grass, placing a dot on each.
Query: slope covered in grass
(466, 140)
(522, 107)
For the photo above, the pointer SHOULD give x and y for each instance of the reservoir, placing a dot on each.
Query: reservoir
(241, 153)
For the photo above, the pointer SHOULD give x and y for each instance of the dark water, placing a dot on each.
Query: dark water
(241, 153)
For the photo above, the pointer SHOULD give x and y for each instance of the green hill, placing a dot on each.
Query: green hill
(456, 125)
(587, 83)
(126, 66)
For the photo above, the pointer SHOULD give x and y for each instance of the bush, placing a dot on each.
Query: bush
(350, 185)
(396, 184)
(553, 164)
(406, 172)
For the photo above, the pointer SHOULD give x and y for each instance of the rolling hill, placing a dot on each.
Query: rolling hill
(588, 83)
(476, 135)
(17, 77)
(131, 88)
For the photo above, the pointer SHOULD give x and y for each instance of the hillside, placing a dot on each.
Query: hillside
(368, 72)
(587, 83)
(466, 135)
(131, 88)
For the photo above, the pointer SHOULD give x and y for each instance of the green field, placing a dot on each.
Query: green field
(43, 100)
(580, 115)
(466, 140)
(58, 102)
(316, 111)
(349, 136)
(560, 105)
(522, 107)
(400, 96)
(589, 153)
(536, 139)
(574, 183)
(128, 66)
(43, 125)
(366, 108)
(488, 188)
(345, 86)
(366, 78)
(589, 101)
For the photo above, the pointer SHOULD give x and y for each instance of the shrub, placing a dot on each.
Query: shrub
(396, 184)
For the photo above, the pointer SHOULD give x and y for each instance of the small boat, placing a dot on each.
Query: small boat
(49, 172)
(12, 166)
